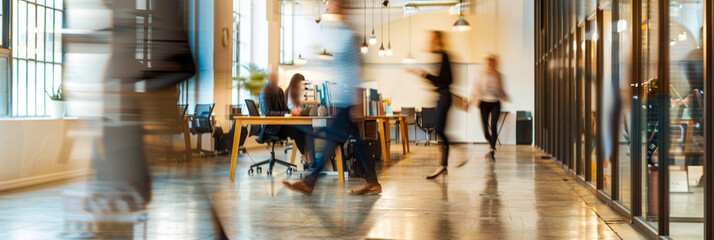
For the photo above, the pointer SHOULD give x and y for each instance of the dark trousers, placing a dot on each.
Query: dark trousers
(442, 111)
(334, 134)
(490, 129)
(303, 141)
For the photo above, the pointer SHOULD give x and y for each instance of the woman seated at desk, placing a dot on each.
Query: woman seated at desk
(294, 99)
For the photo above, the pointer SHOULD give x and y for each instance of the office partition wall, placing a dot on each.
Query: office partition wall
(623, 103)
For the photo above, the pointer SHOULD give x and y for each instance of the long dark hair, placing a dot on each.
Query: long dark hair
(295, 83)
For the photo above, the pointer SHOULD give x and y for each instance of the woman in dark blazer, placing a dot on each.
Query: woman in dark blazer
(442, 82)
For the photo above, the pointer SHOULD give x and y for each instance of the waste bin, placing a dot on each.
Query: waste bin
(524, 127)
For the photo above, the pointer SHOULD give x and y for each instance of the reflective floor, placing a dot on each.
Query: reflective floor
(521, 196)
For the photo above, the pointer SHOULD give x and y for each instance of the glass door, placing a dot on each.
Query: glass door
(621, 69)
(648, 85)
(582, 106)
(592, 86)
(685, 95)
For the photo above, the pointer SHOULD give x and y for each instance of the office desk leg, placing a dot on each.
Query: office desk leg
(187, 140)
(388, 133)
(405, 140)
(292, 155)
(234, 151)
(380, 129)
(340, 167)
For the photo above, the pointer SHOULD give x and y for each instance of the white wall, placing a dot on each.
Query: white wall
(43, 150)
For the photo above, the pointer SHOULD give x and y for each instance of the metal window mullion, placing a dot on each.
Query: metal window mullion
(635, 139)
(663, 126)
(27, 43)
(44, 51)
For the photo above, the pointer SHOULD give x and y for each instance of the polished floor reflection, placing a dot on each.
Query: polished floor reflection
(521, 196)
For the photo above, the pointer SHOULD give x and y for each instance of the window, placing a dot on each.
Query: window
(241, 47)
(37, 55)
(4, 59)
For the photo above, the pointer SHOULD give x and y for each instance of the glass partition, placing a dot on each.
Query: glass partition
(685, 119)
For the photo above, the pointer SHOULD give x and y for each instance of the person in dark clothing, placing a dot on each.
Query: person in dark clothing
(442, 82)
(347, 74)
(272, 103)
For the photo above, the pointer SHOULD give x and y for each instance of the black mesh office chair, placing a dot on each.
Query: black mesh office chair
(269, 139)
(411, 119)
(427, 123)
(201, 123)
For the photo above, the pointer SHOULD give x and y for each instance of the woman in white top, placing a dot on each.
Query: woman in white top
(487, 94)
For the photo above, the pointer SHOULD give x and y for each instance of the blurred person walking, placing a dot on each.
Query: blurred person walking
(487, 95)
(442, 82)
(346, 70)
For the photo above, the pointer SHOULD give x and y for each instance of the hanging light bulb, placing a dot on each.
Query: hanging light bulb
(364, 49)
(409, 59)
(326, 56)
(300, 60)
(682, 36)
(672, 42)
(372, 38)
(461, 25)
(389, 21)
(381, 50)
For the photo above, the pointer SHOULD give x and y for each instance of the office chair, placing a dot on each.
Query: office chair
(427, 123)
(166, 124)
(410, 113)
(269, 139)
(201, 123)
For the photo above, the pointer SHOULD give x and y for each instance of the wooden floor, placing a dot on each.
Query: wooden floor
(520, 196)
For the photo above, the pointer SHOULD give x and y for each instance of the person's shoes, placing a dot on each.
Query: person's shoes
(299, 186)
(437, 173)
(368, 188)
(492, 156)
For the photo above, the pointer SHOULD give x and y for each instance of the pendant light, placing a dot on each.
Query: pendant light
(318, 19)
(300, 60)
(364, 49)
(461, 25)
(373, 38)
(326, 56)
(409, 59)
(381, 29)
(389, 21)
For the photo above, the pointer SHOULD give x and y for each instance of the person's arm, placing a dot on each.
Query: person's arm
(266, 103)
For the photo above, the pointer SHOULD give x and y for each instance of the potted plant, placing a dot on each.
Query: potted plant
(56, 106)
(256, 79)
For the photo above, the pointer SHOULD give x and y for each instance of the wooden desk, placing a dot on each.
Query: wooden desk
(271, 120)
(383, 128)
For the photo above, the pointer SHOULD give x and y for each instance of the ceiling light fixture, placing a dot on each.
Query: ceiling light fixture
(409, 59)
(364, 49)
(682, 36)
(381, 29)
(389, 21)
(461, 25)
(300, 60)
(373, 38)
(326, 56)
